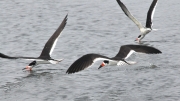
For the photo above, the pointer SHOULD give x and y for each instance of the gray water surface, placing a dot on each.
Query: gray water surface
(93, 26)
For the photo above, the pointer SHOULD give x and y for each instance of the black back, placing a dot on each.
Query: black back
(149, 14)
(47, 48)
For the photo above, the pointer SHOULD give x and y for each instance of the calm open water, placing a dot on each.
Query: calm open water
(93, 26)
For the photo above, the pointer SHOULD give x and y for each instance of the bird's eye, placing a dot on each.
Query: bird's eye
(106, 62)
(139, 36)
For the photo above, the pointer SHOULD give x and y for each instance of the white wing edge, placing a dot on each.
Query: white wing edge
(152, 15)
(98, 59)
(34, 59)
(129, 54)
(54, 44)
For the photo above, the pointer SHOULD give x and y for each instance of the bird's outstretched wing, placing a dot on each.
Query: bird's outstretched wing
(150, 14)
(126, 50)
(51, 43)
(129, 15)
(85, 62)
(10, 57)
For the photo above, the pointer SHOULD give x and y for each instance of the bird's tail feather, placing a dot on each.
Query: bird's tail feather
(155, 29)
(131, 62)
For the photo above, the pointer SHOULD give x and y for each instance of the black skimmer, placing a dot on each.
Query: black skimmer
(44, 57)
(120, 59)
(144, 30)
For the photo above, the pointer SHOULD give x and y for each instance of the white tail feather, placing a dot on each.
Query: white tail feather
(55, 61)
(155, 29)
(131, 62)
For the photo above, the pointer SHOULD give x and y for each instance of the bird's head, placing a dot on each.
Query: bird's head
(104, 63)
(139, 38)
(31, 65)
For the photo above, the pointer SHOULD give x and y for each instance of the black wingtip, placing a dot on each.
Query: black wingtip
(119, 1)
(70, 72)
(67, 72)
(156, 51)
(7, 57)
(73, 70)
(159, 52)
(66, 16)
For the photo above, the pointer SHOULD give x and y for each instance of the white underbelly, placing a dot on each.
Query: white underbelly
(118, 63)
(112, 63)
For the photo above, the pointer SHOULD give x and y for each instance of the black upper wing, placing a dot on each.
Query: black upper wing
(125, 49)
(7, 57)
(128, 14)
(150, 14)
(84, 62)
(10, 57)
(49, 46)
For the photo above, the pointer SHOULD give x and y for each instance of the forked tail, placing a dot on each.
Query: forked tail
(155, 29)
(55, 61)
